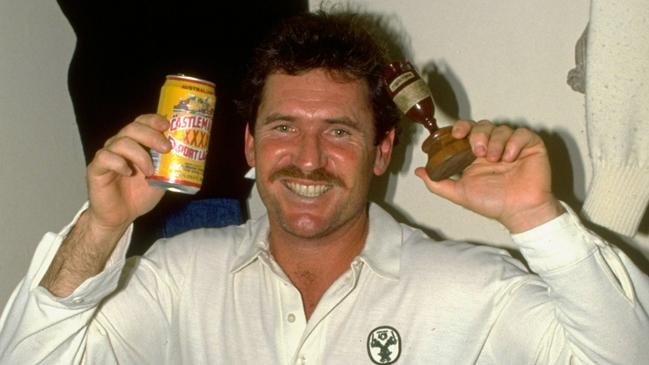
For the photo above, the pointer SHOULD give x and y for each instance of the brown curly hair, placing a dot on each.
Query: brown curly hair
(338, 42)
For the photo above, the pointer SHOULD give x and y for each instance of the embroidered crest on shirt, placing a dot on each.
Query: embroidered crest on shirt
(384, 345)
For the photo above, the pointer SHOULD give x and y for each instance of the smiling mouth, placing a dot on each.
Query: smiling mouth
(307, 191)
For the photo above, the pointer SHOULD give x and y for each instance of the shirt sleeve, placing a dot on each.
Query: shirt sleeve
(617, 114)
(590, 306)
(38, 327)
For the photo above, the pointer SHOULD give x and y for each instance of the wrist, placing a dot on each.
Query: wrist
(100, 232)
(526, 219)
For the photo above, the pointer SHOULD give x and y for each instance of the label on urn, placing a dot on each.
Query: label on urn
(411, 94)
(400, 80)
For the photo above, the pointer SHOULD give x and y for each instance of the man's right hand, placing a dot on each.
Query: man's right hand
(118, 194)
(117, 188)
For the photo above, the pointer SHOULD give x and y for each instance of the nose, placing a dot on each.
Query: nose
(309, 154)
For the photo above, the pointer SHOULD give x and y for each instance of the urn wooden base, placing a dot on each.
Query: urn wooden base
(447, 156)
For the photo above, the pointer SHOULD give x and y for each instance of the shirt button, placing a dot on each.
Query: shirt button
(77, 300)
(291, 317)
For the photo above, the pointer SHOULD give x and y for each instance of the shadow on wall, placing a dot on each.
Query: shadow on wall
(564, 170)
(451, 100)
(448, 93)
(644, 224)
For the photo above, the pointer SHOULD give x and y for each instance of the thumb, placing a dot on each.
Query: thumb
(446, 189)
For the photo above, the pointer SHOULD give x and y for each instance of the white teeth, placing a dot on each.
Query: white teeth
(307, 191)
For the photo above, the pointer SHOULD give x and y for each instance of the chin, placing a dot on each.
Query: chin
(305, 227)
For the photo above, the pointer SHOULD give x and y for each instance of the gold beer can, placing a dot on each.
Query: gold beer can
(188, 103)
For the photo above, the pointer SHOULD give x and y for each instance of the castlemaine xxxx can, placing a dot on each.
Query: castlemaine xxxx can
(188, 103)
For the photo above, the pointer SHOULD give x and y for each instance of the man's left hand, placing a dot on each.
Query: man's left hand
(509, 181)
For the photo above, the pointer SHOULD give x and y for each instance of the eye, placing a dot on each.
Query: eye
(283, 128)
(340, 132)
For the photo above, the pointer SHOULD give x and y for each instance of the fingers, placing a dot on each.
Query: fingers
(122, 154)
(495, 142)
(154, 121)
(127, 150)
(462, 128)
(106, 161)
(521, 139)
(145, 130)
(445, 188)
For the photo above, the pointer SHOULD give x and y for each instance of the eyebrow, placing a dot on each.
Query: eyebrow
(344, 121)
(277, 116)
(274, 117)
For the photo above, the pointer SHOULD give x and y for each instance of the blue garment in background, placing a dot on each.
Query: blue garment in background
(204, 213)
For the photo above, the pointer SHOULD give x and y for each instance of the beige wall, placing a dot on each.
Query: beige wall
(41, 165)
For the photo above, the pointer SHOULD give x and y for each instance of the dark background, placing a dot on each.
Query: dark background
(126, 48)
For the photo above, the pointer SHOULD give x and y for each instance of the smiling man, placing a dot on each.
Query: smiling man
(327, 277)
(315, 140)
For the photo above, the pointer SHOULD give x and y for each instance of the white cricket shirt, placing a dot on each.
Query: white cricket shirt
(216, 296)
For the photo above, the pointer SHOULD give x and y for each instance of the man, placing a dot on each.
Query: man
(326, 277)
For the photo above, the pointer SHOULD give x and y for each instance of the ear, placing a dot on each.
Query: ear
(249, 146)
(384, 153)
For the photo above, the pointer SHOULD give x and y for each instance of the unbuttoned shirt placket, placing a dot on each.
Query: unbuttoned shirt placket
(303, 342)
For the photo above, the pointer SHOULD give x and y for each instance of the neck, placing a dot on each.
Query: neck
(313, 264)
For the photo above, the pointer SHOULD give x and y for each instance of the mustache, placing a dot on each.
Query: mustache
(318, 175)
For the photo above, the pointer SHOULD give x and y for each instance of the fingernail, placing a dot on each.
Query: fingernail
(163, 123)
(165, 145)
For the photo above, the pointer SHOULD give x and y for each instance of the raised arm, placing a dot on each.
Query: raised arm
(591, 308)
(510, 181)
(50, 317)
(118, 194)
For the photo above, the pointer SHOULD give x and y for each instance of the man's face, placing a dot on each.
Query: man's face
(313, 152)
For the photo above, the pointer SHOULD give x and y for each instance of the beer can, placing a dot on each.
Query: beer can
(188, 103)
